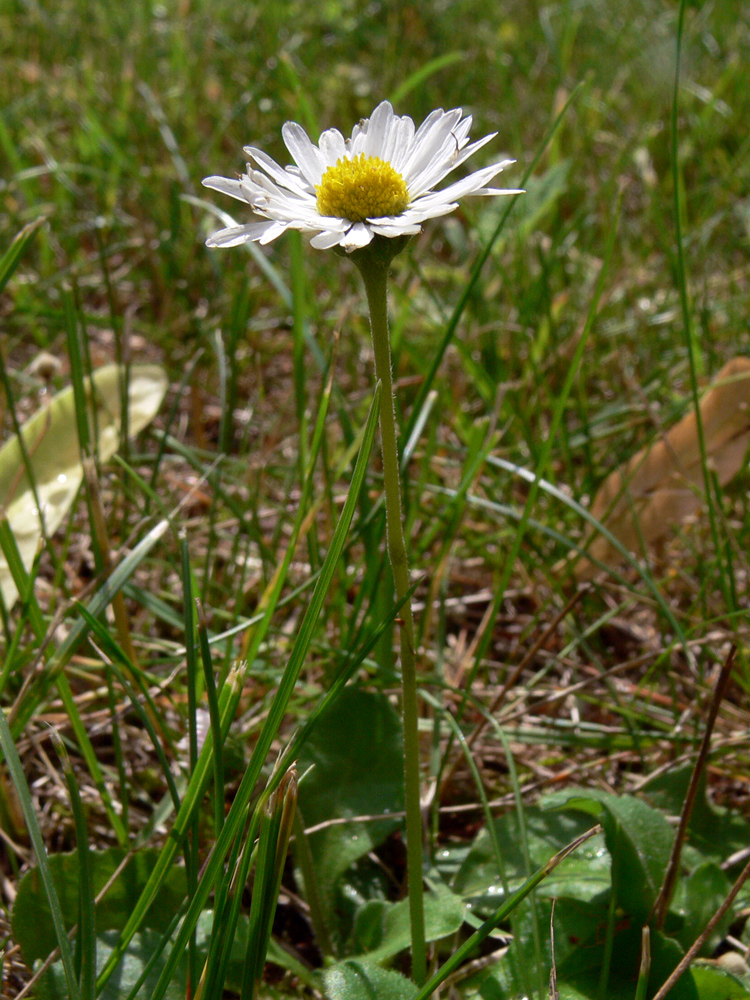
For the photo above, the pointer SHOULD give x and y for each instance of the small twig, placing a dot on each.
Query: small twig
(661, 906)
(99, 529)
(700, 941)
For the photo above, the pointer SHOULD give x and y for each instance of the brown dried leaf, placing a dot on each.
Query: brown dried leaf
(641, 502)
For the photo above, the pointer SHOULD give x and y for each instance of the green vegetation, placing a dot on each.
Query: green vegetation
(222, 580)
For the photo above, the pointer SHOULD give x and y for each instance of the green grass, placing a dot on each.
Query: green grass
(586, 331)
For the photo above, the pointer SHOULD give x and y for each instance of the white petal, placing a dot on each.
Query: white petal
(399, 229)
(429, 146)
(443, 165)
(434, 210)
(259, 189)
(282, 205)
(401, 143)
(357, 137)
(379, 125)
(332, 146)
(358, 236)
(307, 156)
(284, 178)
(274, 230)
(225, 185)
(429, 123)
(325, 240)
(461, 131)
(460, 189)
(236, 235)
(331, 222)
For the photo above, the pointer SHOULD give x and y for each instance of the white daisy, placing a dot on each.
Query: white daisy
(346, 191)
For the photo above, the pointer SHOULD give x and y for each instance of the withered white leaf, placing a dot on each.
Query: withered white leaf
(51, 440)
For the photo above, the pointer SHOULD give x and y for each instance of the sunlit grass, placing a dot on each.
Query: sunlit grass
(111, 116)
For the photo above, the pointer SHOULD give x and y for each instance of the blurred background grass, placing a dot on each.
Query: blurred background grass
(112, 114)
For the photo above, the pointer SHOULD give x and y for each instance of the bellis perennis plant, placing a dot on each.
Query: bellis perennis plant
(367, 195)
(379, 182)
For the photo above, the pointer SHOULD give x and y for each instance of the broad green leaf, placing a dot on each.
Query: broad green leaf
(140, 952)
(383, 929)
(354, 980)
(50, 439)
(32, 920)
(356, 755)
(582, 876)
(718, 984)
(543, 192)
(713, 833)
(577, 925)
(638, 838)
(697, 899)
(579, 975)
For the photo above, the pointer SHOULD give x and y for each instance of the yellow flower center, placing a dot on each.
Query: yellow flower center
(364, 187)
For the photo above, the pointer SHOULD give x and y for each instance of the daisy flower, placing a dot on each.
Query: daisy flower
(379, 182)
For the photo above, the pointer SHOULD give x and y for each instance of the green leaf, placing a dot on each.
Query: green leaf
(579, 975)
(582, 876)
(638, 838)
(697, 899)
(577, 925)
(543, 193)
(356, 755)
(138, 955)
(32, 920)
(713, 833)
(418, 78)
(353, 980)
(12, 256)
(718, 984)
(383, 929)
(277, 955)
(141, 950)
(50, 440)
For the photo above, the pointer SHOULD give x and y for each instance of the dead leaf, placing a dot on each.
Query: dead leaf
(662, 485)
(50, 437)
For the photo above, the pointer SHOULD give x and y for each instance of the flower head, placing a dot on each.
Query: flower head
(380, 182)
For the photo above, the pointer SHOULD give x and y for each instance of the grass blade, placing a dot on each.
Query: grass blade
(235, 817)
(28, 700)
(191, 802)
(213, 709)
(503, 911)
(12, 256)
(86, 937)
(19, 780)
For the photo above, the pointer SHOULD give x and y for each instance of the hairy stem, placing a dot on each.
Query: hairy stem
(375, 274)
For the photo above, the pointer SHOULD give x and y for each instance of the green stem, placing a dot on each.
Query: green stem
(374, 271)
